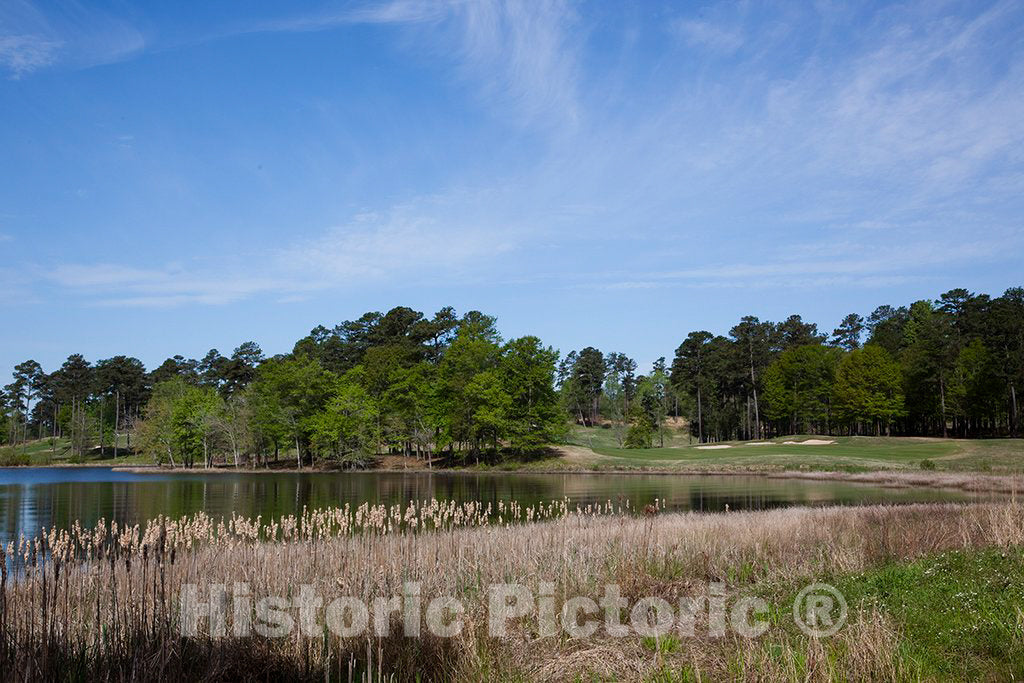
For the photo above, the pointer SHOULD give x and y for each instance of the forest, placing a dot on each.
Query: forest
(449, 390)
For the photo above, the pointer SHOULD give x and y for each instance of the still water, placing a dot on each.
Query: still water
(40, 497)
(36, 497)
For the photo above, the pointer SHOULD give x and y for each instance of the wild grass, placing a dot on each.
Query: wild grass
(960, 612)
(101, 603)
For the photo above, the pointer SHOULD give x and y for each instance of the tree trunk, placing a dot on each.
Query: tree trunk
(117, 413)
(942, 400)
(101, 428)
(53, 438)
(753, 386)
(1013, 416)
(757, 412)
(700, 417)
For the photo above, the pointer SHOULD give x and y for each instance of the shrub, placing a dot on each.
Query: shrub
(11, 458)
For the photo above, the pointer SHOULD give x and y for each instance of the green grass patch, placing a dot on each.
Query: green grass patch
(959, 613)
(43, 452)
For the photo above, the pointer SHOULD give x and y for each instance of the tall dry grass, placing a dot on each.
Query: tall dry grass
(102, 603)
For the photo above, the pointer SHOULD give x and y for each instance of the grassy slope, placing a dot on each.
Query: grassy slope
(847, 453)
(41, 453)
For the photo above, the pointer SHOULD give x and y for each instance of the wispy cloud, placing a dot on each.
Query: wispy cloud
(111, 284)
(414, 243)
(23, 54)
(522, 55)
(827, 264)
(394, 12)
(72, 35)
(708, 35)
(406, 241)
(861, 160)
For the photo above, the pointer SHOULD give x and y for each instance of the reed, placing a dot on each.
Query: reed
(102, 603)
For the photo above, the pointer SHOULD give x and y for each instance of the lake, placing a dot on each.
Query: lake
(36, 497)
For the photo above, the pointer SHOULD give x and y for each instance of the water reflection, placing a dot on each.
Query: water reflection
(32, 498)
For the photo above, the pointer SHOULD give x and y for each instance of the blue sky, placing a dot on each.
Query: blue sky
(176, 177)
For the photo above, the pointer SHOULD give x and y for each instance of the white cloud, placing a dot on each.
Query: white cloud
(23, 54)
(521, 54)
(452, 238)
(113, 284)
(868, 165)
(706, 34)
(399, 243)
(70, 35)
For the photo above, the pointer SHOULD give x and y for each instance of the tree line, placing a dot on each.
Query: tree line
(449, 386)
(395, 383)
(949, 367)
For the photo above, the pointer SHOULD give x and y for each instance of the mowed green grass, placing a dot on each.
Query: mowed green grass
(857, 453)
(42, 453)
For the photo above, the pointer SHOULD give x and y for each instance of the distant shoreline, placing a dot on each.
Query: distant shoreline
(969, 482)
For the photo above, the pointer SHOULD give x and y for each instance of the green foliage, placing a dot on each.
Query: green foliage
(532, 414)
(585, 383)
(347, 425)
(798, 388)
(868, 388)
(179, 426)
(11, 457)
(640, 434)
(450, 387)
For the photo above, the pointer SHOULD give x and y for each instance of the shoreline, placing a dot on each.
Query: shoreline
(896, 479)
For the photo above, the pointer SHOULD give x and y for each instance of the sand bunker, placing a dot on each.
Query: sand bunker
(712, 448)
(760, 443)
(810, 442)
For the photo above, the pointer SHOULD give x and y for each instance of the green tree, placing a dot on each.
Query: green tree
(347, 425)
(121, 380)
(532, 414)
(1007, 343)
(457, 400)
(847, 335)
(586, 383)
(74, 386)
(178, 423)
(798, 388)
(868, 389)
(689, 372)
(794, 332)
(288, 392)
(754, 342)
(930, 350)
(885, 326)
(488, 405)
(649, 409)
